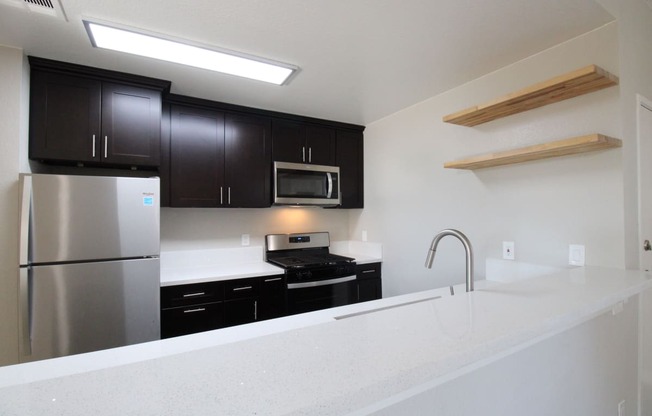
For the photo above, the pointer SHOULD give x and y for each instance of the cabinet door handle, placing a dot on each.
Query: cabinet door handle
(93, 146)
(310, 155)
(276, 279)
(303, 154)
(235, 289)
(369, 271)
(255, 310)
(194, 310)
(189, 295)
(229, 195)
(221, 196)
(106, 147)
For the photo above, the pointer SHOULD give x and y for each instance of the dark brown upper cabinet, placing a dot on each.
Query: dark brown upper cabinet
(91, 116)
(219, 159)
(349, 157)
(302, 143)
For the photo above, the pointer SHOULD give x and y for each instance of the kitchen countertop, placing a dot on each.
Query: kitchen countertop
(198, 266)
(316, 363)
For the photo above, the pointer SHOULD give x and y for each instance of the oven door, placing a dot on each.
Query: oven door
(300, 184)
(321, 294)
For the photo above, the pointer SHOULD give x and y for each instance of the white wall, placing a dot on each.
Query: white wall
(11, 130)
(542, 206)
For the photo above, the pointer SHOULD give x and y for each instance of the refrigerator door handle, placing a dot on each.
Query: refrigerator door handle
(25, 208)
(23, 311)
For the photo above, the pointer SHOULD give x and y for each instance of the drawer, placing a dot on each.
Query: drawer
(191, 319)
(194, 294)
(368, 271)
(272, 284)
(240, 288)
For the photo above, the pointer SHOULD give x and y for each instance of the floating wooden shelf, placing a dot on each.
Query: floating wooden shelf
(557, 148)
(578, 82)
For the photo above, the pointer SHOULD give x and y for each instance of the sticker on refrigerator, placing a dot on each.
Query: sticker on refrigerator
(148, 201)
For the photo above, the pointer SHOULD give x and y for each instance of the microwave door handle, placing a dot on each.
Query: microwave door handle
(330, 185)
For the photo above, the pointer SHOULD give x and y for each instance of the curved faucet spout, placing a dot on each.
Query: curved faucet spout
(467, 248)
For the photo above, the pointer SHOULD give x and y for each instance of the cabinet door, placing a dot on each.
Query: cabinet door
(191, 319)
(320, 144)
(369, 281)
(272, 302)
(240, 311)
(131, 125)
(247, 162)
(370, 289)
(351, 163)
(64, 118)
(196, 157)
(289, 142)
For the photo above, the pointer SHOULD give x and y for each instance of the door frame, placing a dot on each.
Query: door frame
(641, 101)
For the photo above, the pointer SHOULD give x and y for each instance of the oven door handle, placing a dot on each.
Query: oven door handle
(321, 282)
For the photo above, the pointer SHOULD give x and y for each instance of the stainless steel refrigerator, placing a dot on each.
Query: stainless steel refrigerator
(89, 263)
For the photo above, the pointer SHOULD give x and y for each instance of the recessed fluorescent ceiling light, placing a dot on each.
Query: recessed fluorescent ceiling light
(129, 41)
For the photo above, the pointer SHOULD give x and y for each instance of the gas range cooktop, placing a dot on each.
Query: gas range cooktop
(292, 251)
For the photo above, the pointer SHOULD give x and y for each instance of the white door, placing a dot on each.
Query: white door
(644, 122)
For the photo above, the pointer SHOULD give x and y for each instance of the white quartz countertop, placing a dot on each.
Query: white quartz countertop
(198, 266)
(315, 363)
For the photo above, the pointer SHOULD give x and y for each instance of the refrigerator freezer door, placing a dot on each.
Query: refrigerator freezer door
(82, 218)
(76, 308)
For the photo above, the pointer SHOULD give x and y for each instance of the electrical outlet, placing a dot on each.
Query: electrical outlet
(508, 250)
(621, 408)
(364, 235)
(245, 239)
(576, 254)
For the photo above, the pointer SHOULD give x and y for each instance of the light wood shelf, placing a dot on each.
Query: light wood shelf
(557, 148)
(581, 81)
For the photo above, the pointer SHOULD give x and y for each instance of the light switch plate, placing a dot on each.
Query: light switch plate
(508, 250)
(576, 254)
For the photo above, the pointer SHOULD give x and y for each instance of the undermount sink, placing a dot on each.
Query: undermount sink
(350, 315)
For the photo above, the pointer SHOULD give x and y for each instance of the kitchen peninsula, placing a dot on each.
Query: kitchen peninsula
(399, 355)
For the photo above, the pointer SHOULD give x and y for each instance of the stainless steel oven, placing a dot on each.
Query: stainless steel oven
(315, 278)
(301, 184)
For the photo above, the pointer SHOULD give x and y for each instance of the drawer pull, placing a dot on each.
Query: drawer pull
(242, 288)
(190, 295)
(369, 271)
(194, 310)
(276, 279)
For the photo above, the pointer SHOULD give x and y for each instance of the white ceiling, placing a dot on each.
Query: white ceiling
(360, 60)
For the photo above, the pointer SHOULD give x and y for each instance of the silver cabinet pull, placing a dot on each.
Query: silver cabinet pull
(276, 279)
(303, 154)
(369, 271)
(194, 310)
(242, 288)
(106, 147)
(221, 196)
(255, 310)
(229, 195)
(189, 295)
(310, 155)
(93, 146)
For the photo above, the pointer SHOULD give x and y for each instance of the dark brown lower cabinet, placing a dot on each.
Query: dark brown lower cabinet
(191, 319)
(369, 282)
(198, 307)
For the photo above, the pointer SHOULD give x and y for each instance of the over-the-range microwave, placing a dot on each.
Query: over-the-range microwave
(303, 184)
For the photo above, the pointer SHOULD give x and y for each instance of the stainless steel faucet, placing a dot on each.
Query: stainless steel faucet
(467, 248)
